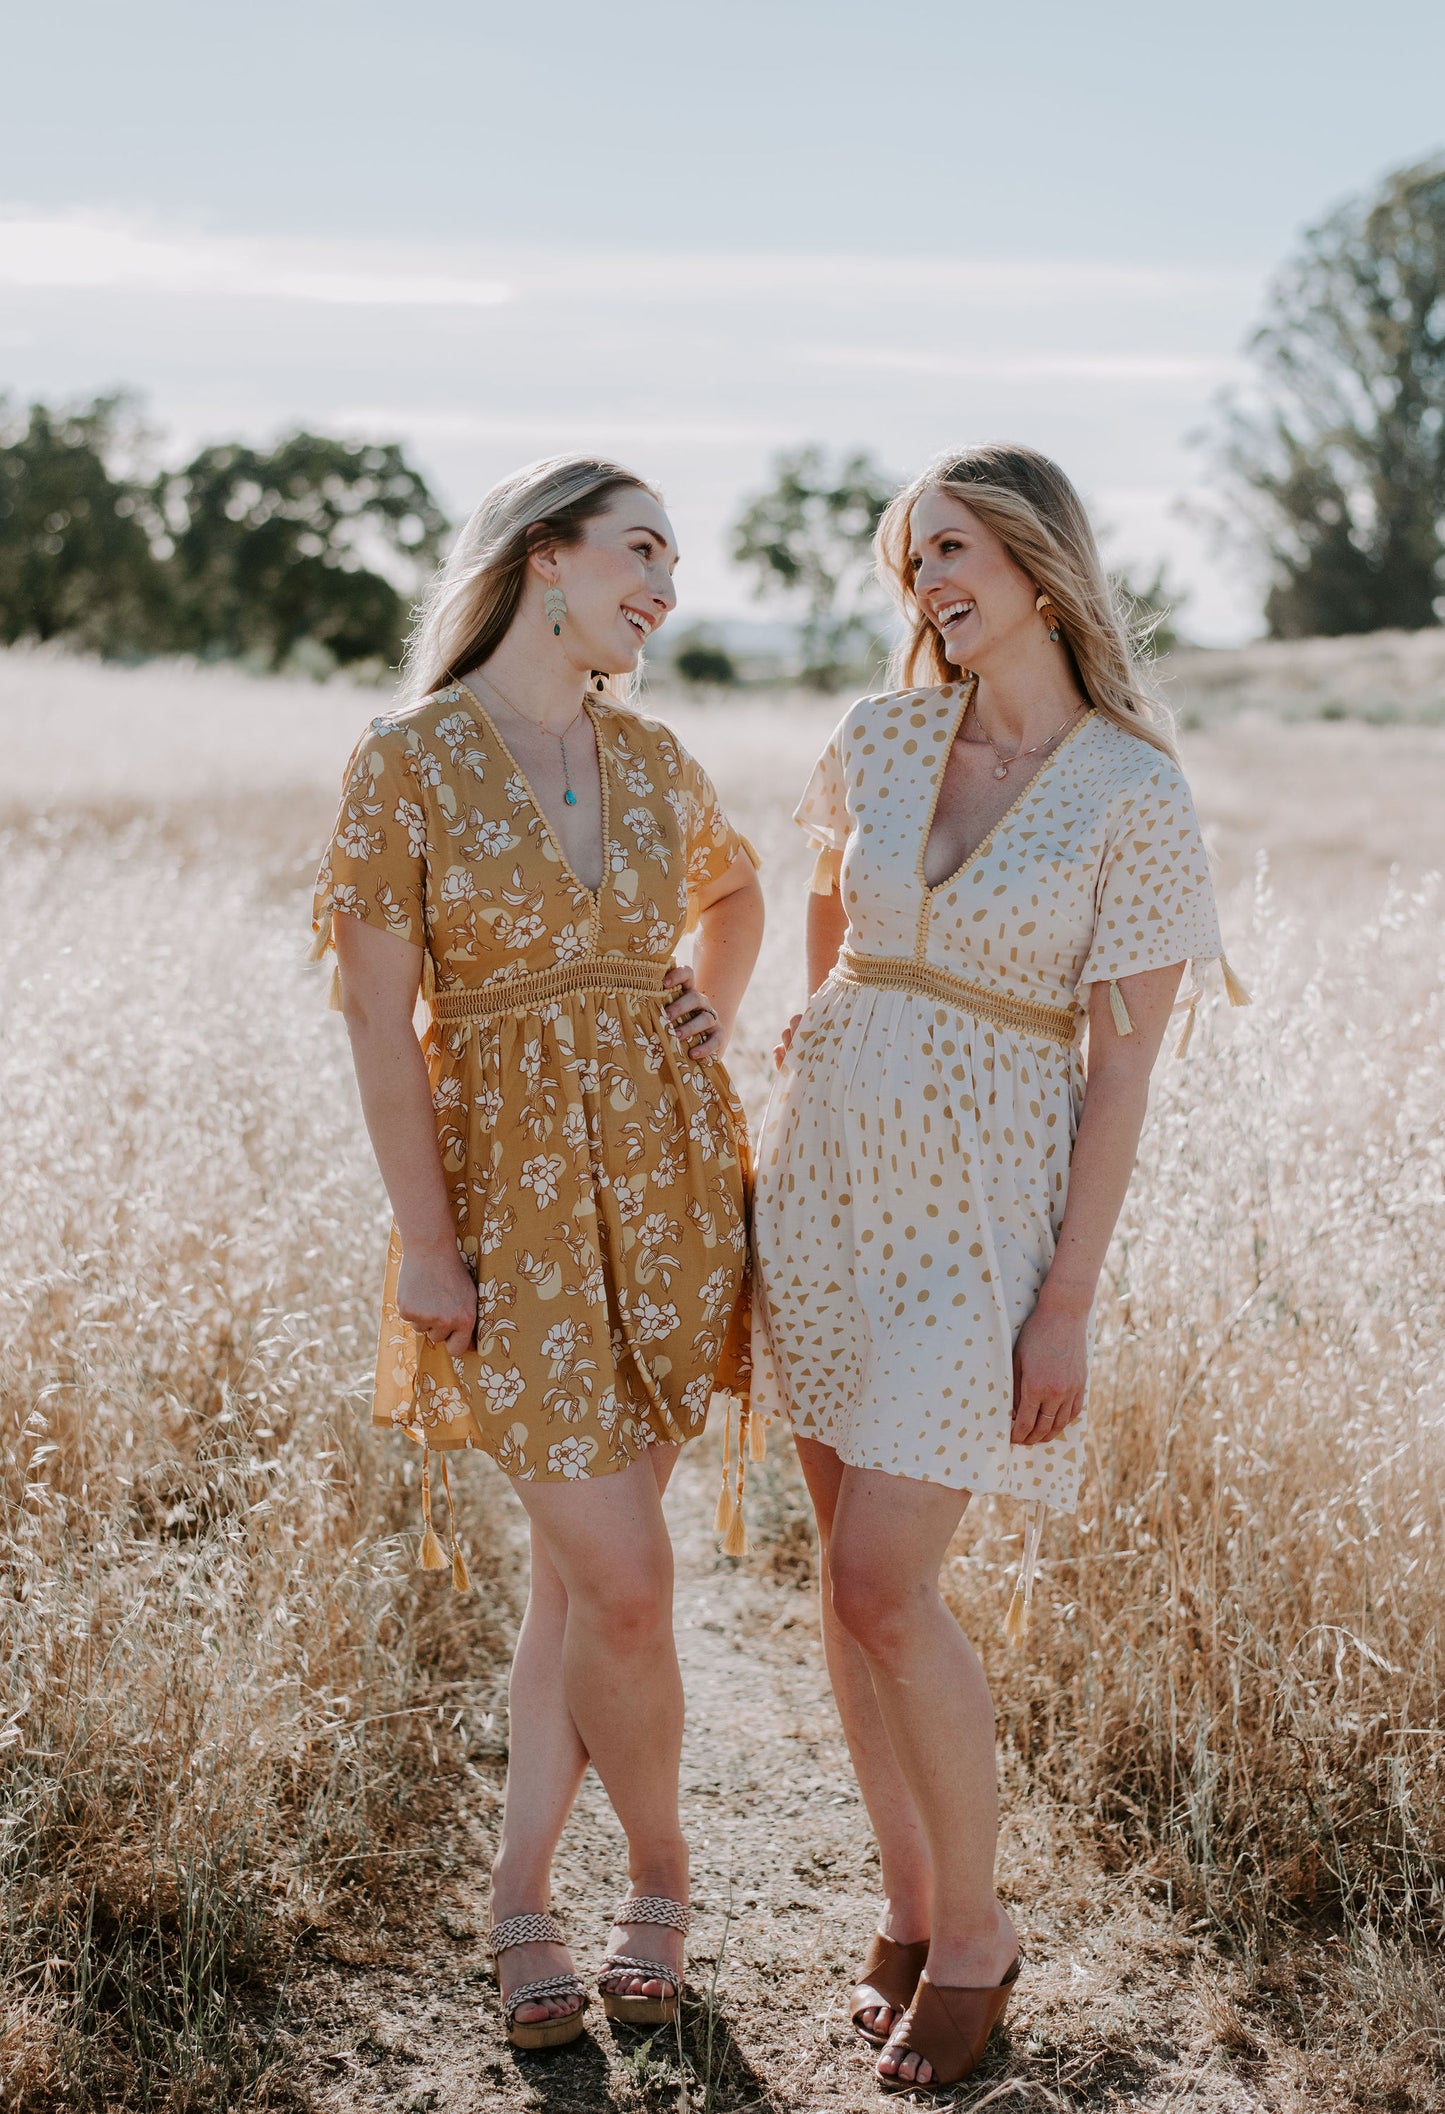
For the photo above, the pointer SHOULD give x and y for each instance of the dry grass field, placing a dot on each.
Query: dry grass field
(249, 1757)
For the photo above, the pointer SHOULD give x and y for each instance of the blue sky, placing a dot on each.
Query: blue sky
(692, 235)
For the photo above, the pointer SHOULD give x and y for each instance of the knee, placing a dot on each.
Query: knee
(631, 1602)
(878, 1608)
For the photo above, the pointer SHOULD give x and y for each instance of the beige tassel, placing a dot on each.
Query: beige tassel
(1184, 1040)
(722, 1519)
(461, 1582)
(333, 996)
(322, 939)
(757, 1439)
(1234, 989)
(1016, 1622)
(1120, 1011)
(825, 871)
(431, 1549)
(735, 1541)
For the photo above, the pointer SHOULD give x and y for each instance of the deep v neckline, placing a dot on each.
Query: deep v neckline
(593, 895)
(984, 843)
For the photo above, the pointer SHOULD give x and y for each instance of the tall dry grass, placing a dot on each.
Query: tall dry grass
(222, 1678)
(1237, 1669)
(231, 1709)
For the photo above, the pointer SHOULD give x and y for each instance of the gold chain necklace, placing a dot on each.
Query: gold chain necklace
(1000, 761)
(568, 795)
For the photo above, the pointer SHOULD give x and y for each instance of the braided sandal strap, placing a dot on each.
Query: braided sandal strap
(650, 1970)
(539, 1992)
(531, 1929)
(654, 1908)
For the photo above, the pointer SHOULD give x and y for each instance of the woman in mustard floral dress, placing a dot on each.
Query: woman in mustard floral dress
(563, 1151)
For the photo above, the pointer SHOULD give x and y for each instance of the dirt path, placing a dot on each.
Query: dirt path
(1112, 2011)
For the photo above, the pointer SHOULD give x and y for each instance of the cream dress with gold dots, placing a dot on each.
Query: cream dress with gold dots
(914, 1158)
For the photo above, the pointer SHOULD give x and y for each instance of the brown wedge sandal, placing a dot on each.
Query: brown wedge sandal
(889, 1972)
(537, 2033)
(644, 2011)
(949, 2028)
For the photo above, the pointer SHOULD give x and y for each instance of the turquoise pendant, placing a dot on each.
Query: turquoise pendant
(570, 797)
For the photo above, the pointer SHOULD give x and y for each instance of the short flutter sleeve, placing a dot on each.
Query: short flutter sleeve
(375, 865)
(823, 813)
(712, 842)
(1154, 901)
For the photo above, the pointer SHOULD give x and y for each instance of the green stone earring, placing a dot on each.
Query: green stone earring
(555, 604)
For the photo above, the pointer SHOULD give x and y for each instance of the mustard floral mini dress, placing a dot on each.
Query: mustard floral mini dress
(596, 1172)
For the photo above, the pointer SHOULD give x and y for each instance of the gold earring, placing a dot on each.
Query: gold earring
(555, 604)
(1049, 614)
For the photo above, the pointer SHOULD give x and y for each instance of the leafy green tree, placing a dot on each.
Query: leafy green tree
(1339, 461)
(75, 556)
(810, 538)
(301, 542)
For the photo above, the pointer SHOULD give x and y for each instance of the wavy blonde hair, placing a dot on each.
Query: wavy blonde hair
(1039, 518)
(468, 609)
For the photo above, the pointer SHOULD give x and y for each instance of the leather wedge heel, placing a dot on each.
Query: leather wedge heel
(949, 2028)
(644, 2011)
(537, 2033)
(890, 1971)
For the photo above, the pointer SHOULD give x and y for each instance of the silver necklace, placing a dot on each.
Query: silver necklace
(568, 795)
(1000, 761)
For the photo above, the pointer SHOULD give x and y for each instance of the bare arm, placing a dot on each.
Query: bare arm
(826, 929)
(380, 976)
(1049, 1358)
(729, 934)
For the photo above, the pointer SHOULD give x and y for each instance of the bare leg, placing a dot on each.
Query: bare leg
(902, 1845)
(890, 1535)
(608, 1542)
(547, 1761)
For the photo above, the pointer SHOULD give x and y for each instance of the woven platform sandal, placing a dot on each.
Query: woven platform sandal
(949, 2028)
(890, 1972)
(537, 2033)
(644, 2011)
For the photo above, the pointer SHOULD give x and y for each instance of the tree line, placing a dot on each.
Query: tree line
(313, 546)
(1330, 475)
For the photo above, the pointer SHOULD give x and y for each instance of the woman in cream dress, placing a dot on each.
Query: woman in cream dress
(1010, 884)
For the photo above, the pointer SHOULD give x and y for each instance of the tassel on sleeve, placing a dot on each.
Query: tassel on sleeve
(1016, 1622)
(431, 1549)
(1183, 1044)
(757, 1439)
(826, 868)
(333, 996)
(1122, 1023)
(1234, 989)
(722, 1518)
(461, 1582)
(322, 938)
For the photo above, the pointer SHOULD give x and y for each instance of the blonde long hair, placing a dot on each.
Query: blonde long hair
(469, 606)
(1037, 515)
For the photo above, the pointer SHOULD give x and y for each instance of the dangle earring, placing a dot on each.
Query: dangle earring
(555, 604)
(1049, 614)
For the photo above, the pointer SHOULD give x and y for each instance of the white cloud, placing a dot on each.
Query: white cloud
(85, 253)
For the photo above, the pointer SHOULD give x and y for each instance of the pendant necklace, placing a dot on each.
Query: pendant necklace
(568, 795)
(1000, 761)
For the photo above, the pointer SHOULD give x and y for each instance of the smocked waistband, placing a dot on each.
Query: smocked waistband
(890, 973)
(524, 994)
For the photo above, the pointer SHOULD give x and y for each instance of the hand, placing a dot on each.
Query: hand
(785, 1041)
(694, 1017)
(1050, 1368)
(436, 1294)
